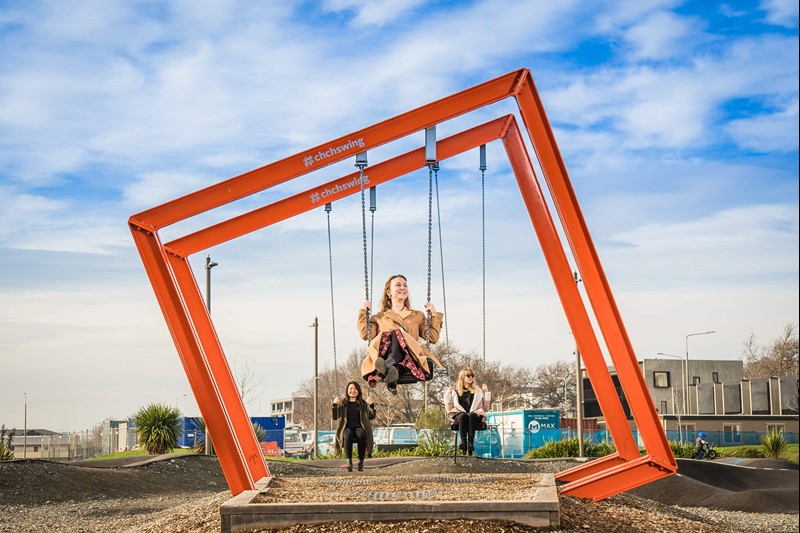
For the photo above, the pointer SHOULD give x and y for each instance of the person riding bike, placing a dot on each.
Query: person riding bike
(700, 443)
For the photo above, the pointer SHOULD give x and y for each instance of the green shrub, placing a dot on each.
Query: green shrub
(745, 452)
(681, 450)
(158, 427)
(774, 444)
(601, 449)
(435, 444)
(6, 451)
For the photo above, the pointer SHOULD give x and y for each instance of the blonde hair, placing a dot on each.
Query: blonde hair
(386, 302)
(460, 382)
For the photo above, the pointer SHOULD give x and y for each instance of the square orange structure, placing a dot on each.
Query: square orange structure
(199, 347)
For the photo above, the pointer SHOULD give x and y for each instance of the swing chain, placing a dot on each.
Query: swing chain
(483, 236)
(441, 250)
(431, 166)
(361, 165)
(333, 310)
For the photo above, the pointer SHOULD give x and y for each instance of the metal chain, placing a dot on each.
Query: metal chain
(364, 241)
(430, 239)
(372, 257)
(483, 231)
(441, 250)
(333, 310)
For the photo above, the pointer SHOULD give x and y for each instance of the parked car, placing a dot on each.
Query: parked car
(326, 444)
(294, 445)
(395, 437)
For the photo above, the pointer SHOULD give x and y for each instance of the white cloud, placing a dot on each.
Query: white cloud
(374, 12)
(661, 35)
(768, 132)
(781, 12)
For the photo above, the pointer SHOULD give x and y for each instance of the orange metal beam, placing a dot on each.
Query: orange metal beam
(202, 354)
(335, 189)
(291, 167)
(235, 458)
(595, 282)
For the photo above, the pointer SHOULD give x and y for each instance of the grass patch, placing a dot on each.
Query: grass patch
(131, 453)
(790, 453)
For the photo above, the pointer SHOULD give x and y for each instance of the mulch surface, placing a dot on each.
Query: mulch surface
(760, 487)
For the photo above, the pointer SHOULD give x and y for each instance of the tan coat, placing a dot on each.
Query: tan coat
(411, 323)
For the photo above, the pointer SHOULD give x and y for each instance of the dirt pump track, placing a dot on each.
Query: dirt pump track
(159, 483)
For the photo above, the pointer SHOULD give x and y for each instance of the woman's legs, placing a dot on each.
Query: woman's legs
(463, 428)
(387, 366)
(347, 442)
(474, 422)
(361, 439)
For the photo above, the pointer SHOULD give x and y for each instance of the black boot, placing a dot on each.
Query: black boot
(470, 449)
(380, 367)
(463, 447)
(349, 465)
(361, 465)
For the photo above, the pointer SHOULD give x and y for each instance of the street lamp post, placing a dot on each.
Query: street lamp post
(178, 398)
(25, 430)
(578, 386)
(209, 265)
(686, 390)
(315, 325)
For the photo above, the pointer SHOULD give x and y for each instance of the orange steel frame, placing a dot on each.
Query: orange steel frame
(199, 347)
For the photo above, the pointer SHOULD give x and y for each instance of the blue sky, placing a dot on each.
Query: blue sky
(677, 121)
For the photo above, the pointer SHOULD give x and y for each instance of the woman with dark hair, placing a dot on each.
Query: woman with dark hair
(354, 414)
(395, 331)
(466, 404)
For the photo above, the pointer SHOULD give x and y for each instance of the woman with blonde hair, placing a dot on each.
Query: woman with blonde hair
(395, 333)
(466, 404)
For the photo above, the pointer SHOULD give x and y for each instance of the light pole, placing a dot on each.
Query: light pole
(209, 265)
(578, 387)
(315, 325)
(25, 430)
(178, 398)
(686, 390)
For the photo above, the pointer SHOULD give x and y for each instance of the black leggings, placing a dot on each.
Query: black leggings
(467, 424)
(357, 435)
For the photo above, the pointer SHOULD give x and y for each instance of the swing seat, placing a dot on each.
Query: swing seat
(405, 377)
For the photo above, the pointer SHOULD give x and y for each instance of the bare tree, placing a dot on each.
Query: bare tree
(250, 389)
(553, 385)
(778, 358)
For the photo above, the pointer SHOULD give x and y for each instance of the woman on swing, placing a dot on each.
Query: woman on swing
(395, 331)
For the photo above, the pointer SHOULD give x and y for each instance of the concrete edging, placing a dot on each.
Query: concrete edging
(240, 513)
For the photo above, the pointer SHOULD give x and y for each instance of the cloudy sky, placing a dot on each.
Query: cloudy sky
(677, 121)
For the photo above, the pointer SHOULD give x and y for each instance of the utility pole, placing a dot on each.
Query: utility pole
(25, 430)
(209, 265)
(578, 388)
(315, 325)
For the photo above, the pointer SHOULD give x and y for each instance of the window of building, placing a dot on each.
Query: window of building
(695, 380)
(780, 428)
(661, 380)
(687, 429)
(663, 407)
(715, 377)
(732, 433)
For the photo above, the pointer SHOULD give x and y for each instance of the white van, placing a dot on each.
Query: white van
(395, 437)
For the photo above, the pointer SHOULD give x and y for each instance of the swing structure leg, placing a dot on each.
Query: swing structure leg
(201, 353)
